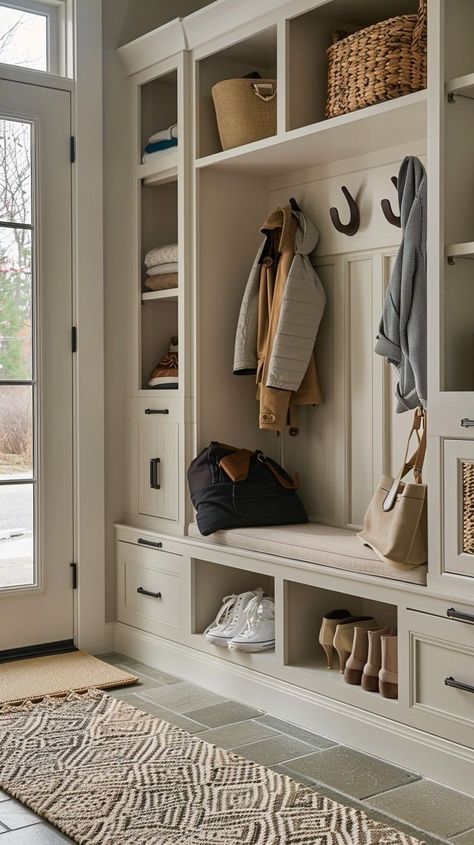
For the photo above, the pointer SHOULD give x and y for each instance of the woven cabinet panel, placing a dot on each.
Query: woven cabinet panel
(468, 508)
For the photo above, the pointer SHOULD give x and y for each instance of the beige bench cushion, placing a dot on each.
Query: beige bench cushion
(314, 543)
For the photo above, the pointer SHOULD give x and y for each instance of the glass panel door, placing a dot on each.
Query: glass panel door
(18, 385)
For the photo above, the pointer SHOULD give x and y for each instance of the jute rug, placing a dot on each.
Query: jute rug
(57, 674)
(106, 773)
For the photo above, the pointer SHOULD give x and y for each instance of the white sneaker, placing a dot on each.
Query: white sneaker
(231, 619)
(259, 631)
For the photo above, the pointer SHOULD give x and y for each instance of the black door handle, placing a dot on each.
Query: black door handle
(155, 473)
(156, 411)
(451, 682)
(460, 615)
(143, 542)
(143, 592)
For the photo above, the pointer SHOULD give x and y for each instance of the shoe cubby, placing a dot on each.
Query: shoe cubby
(211, 582)
(255, 54)
(310, 35)
(159, 323)
(158, 108)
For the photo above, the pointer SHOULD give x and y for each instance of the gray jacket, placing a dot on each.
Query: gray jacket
(402, 332)
(302, 309)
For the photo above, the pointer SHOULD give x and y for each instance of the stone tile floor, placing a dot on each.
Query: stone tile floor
(430, 812)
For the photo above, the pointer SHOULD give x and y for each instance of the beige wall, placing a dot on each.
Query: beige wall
(123, 20)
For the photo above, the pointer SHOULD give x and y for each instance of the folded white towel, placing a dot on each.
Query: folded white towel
(164, 134)
(162, 269)
(159, 154)
(161, 255)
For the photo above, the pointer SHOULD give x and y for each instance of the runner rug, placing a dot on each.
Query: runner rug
(105, 773)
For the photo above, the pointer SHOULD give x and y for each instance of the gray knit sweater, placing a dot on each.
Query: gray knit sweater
(402, 332)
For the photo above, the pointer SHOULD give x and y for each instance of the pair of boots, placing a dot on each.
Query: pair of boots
(337, 633)
(373, 662)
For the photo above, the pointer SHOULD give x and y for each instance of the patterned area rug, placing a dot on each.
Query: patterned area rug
(106, 773)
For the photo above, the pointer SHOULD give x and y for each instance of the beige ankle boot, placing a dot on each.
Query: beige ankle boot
(328, 629)
(358, 656)
(388, 675)
(344, 636)
(370, 674)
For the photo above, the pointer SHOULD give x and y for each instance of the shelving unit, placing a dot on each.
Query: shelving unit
(453, 251)
(169, 295)
(160, 171)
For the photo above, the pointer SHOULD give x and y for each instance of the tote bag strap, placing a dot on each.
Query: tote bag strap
(414, 463)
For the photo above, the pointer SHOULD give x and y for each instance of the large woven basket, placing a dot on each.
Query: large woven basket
(245, 110)
(379, 63)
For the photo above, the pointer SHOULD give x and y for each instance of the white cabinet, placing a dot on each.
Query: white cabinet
(458, 502)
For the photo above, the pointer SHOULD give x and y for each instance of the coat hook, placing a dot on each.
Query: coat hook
(354, 222)
(387, 208)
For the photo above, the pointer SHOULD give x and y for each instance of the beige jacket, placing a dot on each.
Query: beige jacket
(279, 319)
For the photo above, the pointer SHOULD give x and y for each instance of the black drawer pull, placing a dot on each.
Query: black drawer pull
(144, 592)
(155, 474)
(467, 423)
(450, 682)
(161, 411)
(460, 615)
(143, 542)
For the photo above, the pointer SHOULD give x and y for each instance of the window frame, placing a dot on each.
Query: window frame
(54, 12)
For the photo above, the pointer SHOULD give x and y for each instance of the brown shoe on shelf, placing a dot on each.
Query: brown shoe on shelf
(344, 637)
(165, 374)
(373, 664)
(388, 675)
(328, 629)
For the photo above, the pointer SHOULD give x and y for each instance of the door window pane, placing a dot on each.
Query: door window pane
(16, 535)
(15, 304)
(15, 171)
(23, 38)
(16, 432)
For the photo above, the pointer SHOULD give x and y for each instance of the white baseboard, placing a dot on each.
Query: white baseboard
(109, 637)
(427, 755)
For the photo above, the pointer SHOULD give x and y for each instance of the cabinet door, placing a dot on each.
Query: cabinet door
(458, 496)
(157, 469)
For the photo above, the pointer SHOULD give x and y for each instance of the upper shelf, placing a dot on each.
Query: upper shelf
(160, 171)
(397, 121)
(463, 85)
(465, 250)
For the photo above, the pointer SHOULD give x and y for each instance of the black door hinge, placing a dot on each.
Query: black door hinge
(74, 339)
(74, 575)
(72, 149)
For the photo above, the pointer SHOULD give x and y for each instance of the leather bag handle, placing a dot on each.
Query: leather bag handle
(414, 463)
(265, 91)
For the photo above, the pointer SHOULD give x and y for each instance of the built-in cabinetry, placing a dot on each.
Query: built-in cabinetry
(213, 203)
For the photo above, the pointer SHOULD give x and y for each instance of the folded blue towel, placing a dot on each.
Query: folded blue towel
(161, 145)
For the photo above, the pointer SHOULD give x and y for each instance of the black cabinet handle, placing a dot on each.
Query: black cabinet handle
(143, 592)
(467, 423)
(143, 542)
(156, 411)
(451, 682)
(155, 474)
(460, 615)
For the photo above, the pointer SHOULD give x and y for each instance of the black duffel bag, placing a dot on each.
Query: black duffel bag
(236, 488)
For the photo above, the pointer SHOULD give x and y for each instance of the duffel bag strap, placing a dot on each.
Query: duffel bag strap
(287, 482)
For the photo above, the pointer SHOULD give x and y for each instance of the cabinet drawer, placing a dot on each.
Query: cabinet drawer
(442, 650)
(149, 594)
(458, 498)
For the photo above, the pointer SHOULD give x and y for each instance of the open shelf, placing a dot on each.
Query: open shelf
(463, 85)
(465, 250)
(168, 295)
(163, 169)
(397, 121)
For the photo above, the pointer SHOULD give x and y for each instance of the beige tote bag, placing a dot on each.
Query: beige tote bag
(395, 524)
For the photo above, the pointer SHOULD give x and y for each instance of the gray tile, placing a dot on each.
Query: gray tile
(38, 834)
(136, 667)
(14, 815)
(167, 715)
(4, 796)
(224, 714)
(351, 772)
(466, 838)
(182, 697)
(296, 731)
(274, 750)
(240, 733)
(428, 805)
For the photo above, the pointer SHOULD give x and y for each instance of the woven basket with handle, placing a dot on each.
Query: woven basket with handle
(379, 63)
(245, 110)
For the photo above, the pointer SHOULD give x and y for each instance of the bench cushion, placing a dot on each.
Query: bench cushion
(315, 543)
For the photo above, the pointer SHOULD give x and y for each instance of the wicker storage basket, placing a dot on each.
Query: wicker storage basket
(468, 508)
(245, 110)
(379, 63)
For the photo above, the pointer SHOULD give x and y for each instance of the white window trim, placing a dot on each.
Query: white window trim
(55, 13)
